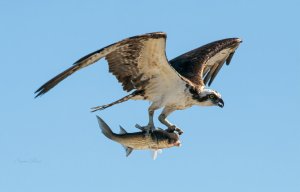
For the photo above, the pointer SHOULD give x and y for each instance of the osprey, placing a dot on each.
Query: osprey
(141, 66)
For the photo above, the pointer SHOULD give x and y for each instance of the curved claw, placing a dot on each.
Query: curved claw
(173, 128)
(179, 131)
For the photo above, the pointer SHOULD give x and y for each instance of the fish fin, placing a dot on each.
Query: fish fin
(122, 130)
(105, 128)
(128, 150)
(155, 153)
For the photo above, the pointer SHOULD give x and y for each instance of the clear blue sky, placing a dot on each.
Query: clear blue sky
(53, 143)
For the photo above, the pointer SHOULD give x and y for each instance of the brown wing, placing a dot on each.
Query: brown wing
(138, 63)
(201, 65)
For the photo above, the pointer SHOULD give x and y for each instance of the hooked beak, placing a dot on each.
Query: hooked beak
(221, 103)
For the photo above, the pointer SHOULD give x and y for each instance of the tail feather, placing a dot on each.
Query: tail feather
(126, 98)
(105, 128)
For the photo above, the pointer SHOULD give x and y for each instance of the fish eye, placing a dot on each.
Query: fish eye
(211, 96)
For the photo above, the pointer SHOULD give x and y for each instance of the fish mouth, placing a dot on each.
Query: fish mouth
(177, 143)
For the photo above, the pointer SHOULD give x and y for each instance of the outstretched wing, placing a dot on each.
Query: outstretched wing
(139, 63)
(201, 65)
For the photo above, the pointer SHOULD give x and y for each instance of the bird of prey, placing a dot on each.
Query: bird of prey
(141, 66)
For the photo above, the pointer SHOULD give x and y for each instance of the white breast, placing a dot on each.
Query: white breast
(176, 96)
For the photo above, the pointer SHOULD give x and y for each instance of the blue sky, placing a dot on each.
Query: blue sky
(53, 143)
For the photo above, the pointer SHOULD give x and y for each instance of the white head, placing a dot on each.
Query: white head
(208, 97)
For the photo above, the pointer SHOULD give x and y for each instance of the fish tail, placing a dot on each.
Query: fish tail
(111, 135)
(105, 128)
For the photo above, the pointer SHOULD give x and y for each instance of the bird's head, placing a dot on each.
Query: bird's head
(208, 97)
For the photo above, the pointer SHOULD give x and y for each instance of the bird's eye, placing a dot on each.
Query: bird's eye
(211, 96)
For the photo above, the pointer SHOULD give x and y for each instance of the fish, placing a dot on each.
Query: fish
(155, 140)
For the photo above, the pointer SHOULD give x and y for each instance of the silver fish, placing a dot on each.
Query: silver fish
(155, 140)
